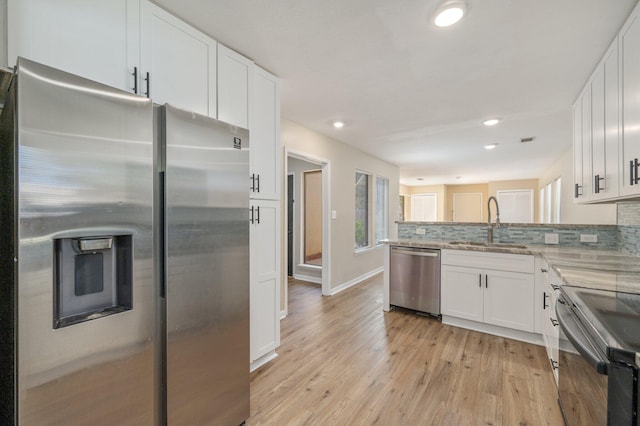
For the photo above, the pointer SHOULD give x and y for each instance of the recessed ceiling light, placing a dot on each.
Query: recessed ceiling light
(449, 13)
(491, 122)
(491, 146)
(338, 124)
(419, 178)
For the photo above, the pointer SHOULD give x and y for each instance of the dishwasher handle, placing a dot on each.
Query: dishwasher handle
(415, 252)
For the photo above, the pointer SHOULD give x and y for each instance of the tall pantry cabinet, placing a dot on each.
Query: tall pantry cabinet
(137, 46)
(264, 128)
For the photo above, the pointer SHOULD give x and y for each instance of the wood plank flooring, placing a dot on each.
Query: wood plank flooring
(344, 361)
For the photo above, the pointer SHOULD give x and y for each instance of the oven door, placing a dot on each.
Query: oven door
(582, 373)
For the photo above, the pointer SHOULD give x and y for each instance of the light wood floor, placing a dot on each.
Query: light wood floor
(343, 361)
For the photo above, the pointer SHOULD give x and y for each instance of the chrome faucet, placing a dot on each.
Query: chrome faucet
(490, 229)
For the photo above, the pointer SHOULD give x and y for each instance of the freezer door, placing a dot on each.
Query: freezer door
(85, 170)
(207, 269)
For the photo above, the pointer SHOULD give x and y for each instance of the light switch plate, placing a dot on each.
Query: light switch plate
(551, 239)
(588, 238)
(421, 231)
(334, 214)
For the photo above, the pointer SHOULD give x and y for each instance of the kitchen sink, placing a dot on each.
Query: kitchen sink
(484, 244)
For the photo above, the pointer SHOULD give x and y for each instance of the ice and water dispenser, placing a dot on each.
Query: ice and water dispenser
(93, 278)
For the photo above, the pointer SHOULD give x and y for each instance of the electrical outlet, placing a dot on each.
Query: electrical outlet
(421, 231)
(551, 239)
(588, 238)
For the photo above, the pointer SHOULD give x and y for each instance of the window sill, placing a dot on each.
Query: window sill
(363, 250)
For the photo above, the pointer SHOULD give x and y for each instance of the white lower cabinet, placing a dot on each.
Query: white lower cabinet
(551, 333)
(500, 293)
(265, 277)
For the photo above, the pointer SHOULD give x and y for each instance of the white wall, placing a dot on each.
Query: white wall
(346, 265)
(570, 212)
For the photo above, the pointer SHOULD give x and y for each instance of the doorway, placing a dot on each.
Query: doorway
(308, 223)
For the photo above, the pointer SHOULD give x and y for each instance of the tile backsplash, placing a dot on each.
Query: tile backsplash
(629, 227)
(568, 235)
(625, 236)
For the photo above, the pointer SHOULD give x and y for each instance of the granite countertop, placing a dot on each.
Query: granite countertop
(576, 266)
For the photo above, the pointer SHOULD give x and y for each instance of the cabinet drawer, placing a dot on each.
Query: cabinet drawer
(496, 261)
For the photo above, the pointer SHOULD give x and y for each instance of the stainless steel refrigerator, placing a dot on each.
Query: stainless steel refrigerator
(203, 169)
(124, 258)
(77, 304)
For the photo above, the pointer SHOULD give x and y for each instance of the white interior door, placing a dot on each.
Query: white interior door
(424, 207)
(516, 206)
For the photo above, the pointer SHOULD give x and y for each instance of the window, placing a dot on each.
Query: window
(550, 197)
(549, 201)
(362, 210)
(382, 208)
(557, 198)
(541, 206)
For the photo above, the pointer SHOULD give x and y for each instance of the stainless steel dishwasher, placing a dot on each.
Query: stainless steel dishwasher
(414, 279)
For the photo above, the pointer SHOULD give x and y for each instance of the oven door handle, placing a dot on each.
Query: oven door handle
(576, 335)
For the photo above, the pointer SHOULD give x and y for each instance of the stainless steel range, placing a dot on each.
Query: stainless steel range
(598, 384)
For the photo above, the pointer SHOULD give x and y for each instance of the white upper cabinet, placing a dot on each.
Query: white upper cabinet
(265, 136)
(606, 119)
(604, 127)
(95, 39)
(578, 180)
(177, 62)
(235, 81)
(629, 39)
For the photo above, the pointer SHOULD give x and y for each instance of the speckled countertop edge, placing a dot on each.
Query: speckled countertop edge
(525, 225)
(576, 266)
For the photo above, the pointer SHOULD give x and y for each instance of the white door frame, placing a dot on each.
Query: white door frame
(325, 166)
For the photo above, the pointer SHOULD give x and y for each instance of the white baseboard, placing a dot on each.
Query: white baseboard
(308, 278)
(509, 333)
(262, 361)
(355, 281)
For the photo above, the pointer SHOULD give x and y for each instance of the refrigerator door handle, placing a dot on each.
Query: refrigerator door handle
(162, 237)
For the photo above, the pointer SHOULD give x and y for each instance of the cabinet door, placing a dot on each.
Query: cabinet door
(598, 170)
(578, 181)
(629, 39)
(604, 125)
(265, 277)
(587, 185)
(461, 292)
(509, 300)
(265, 134)
(180, 62)
(235, 80)
(95, 39)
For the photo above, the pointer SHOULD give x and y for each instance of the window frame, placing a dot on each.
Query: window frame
(367, 226)
(384, 218)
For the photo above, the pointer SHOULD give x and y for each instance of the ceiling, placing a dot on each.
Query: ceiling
(415, 94)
